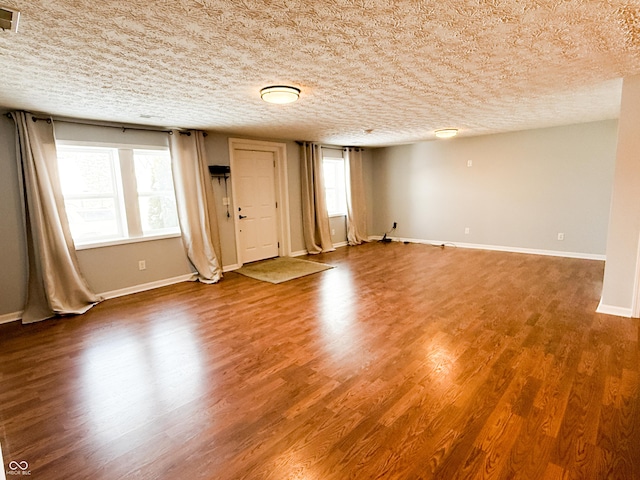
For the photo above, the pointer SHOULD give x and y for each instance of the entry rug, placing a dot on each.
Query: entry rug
(281, 269)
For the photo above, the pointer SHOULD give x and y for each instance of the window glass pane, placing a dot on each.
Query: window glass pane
(89, 181)
(158, 212)
(156, 198)
(332, 204)
(153, 170)
(334, 185)
(329, 174)
(93, 218)
(84, 170)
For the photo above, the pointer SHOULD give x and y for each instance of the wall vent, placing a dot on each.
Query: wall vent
(9, 19)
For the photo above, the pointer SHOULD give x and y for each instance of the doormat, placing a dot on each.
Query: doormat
(281, 269)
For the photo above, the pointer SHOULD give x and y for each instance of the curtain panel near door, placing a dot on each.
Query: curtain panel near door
(55, 284)
(315, 219)
(196, 206)
(356, 202)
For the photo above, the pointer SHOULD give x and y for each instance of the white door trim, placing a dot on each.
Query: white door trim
(279, 151)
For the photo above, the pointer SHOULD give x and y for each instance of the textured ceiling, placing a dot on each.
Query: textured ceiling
(400, 68)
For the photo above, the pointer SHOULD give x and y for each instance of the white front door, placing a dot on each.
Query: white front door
(256, 205)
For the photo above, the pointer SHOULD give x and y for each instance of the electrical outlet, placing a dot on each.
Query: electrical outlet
(333, 231)
(469, 163)
(225, 201)
(466, 230)
(561, 236)
(142, 265)
(395, 225)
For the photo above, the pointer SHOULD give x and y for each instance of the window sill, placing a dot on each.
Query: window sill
(125, 241)
(333, 215)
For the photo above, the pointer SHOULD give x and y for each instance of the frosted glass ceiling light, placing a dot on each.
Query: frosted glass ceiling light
(446, 132)
(280, 94)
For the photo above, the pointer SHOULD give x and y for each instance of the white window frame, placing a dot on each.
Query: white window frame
(127, 210)
(338, 163)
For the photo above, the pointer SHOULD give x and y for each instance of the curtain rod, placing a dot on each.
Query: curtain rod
(334, 147)
(112, 125)
(108, 125)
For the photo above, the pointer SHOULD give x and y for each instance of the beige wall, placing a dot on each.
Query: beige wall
(113, 268)
(338, 226)
(522, 189)
(624, 227)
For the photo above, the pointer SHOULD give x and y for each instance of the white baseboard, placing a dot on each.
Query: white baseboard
(613, 310)
(340, 244)
(10, 317)
(499, 248)
(230, 268)
(146, 286)
(535, 251)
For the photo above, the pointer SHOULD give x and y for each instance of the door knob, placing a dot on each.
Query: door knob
(242, 216)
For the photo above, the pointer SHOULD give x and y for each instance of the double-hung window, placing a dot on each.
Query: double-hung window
(334, 186)
(116, 194)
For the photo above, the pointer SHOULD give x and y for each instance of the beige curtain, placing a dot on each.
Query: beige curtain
(315, 219)
(356, 202)
(196, 207)
(56, 286)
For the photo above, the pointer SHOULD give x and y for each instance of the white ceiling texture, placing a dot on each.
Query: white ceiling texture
(372, 72)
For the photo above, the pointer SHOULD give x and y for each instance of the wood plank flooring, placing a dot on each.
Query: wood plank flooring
(403, 362)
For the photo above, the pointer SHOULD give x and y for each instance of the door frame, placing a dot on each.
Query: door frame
(281, 189)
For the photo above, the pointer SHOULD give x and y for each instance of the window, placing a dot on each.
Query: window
(334, 186)
(113, 195)
(156, 198)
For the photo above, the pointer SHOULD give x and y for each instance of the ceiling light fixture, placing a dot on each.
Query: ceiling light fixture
(446, 132)
(280, 94)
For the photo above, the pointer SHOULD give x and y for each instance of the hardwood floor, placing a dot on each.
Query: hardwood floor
(404, 361)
